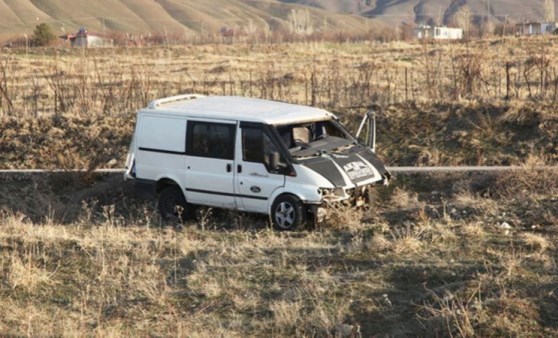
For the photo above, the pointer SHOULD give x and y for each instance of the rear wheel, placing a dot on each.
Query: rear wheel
(172, 205)
(287, 213)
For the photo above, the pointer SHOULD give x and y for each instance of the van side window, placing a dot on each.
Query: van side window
(215, 140)
(252, 145)
(257, 146)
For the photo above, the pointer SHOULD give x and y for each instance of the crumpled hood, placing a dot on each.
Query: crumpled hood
(359, 167)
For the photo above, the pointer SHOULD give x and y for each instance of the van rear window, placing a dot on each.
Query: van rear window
(162, 133)
(214, 140)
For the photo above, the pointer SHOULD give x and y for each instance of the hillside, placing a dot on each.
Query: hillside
(187, 17)
(430, 11)
(172, 16)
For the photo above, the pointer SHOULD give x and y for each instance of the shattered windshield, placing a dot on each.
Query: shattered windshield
(315, 138)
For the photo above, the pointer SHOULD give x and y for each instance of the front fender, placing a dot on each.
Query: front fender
(308, 195)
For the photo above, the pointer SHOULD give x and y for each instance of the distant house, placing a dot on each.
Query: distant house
(228, 34)
(227, 31)
(536, 28)
(438, 33)
(85, 39)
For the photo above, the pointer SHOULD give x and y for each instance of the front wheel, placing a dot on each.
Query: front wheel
(287, 213)
(172, 205)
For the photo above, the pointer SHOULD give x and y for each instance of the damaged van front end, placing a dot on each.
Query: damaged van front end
(325, 155)
(352, 178)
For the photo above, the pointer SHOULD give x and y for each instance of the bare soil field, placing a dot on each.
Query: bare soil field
(444, 255)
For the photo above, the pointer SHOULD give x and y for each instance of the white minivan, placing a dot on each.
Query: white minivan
(284, 160)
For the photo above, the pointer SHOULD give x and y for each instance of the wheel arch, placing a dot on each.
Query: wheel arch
(281, 192)
(165, 182)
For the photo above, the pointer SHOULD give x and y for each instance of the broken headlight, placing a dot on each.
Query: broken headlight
(332, 195)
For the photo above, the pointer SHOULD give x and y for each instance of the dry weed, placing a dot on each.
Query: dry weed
(523, 184)
(343, 217)
(407, 240)
(537, 242)
(465, 198)
(475, 231)
(286, 315)
(452, 310)
(511, 263)
(380, 243)
(441, 234)
(403, 199)
(26, 274)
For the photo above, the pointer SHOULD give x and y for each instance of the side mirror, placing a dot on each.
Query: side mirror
(274, 161)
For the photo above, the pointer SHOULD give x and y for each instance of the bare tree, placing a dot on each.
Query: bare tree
(488, 26)
(300, 22)
(548, 11)
(463, 19)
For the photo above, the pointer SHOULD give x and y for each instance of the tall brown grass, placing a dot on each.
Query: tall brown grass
(333, 75)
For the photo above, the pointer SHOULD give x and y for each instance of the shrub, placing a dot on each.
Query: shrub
(43, 35)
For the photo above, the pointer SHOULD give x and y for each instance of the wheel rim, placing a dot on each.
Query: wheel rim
(285, 214)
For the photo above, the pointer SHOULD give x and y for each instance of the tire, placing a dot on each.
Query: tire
(287, 213)
(172, 205)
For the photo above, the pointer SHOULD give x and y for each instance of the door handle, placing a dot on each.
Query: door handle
(229, 167)
(239, 168)
(258, 174)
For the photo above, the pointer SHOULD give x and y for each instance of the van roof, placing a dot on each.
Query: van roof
(238, 108)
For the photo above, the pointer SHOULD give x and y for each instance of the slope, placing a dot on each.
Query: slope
(173, 16)
(180, 16)
(424, 11)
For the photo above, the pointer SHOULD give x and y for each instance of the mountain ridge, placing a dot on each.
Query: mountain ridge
(19, 17)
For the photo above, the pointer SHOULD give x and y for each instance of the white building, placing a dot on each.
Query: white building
(84, 39)
(536, 28)
(438, 33)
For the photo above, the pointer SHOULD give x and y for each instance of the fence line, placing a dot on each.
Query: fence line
(92, 84)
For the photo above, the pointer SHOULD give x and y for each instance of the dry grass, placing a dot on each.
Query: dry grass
(537, 242)
(314, 73)
(402, 198)
(84, 256)
(114, 271)
(60, 106)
